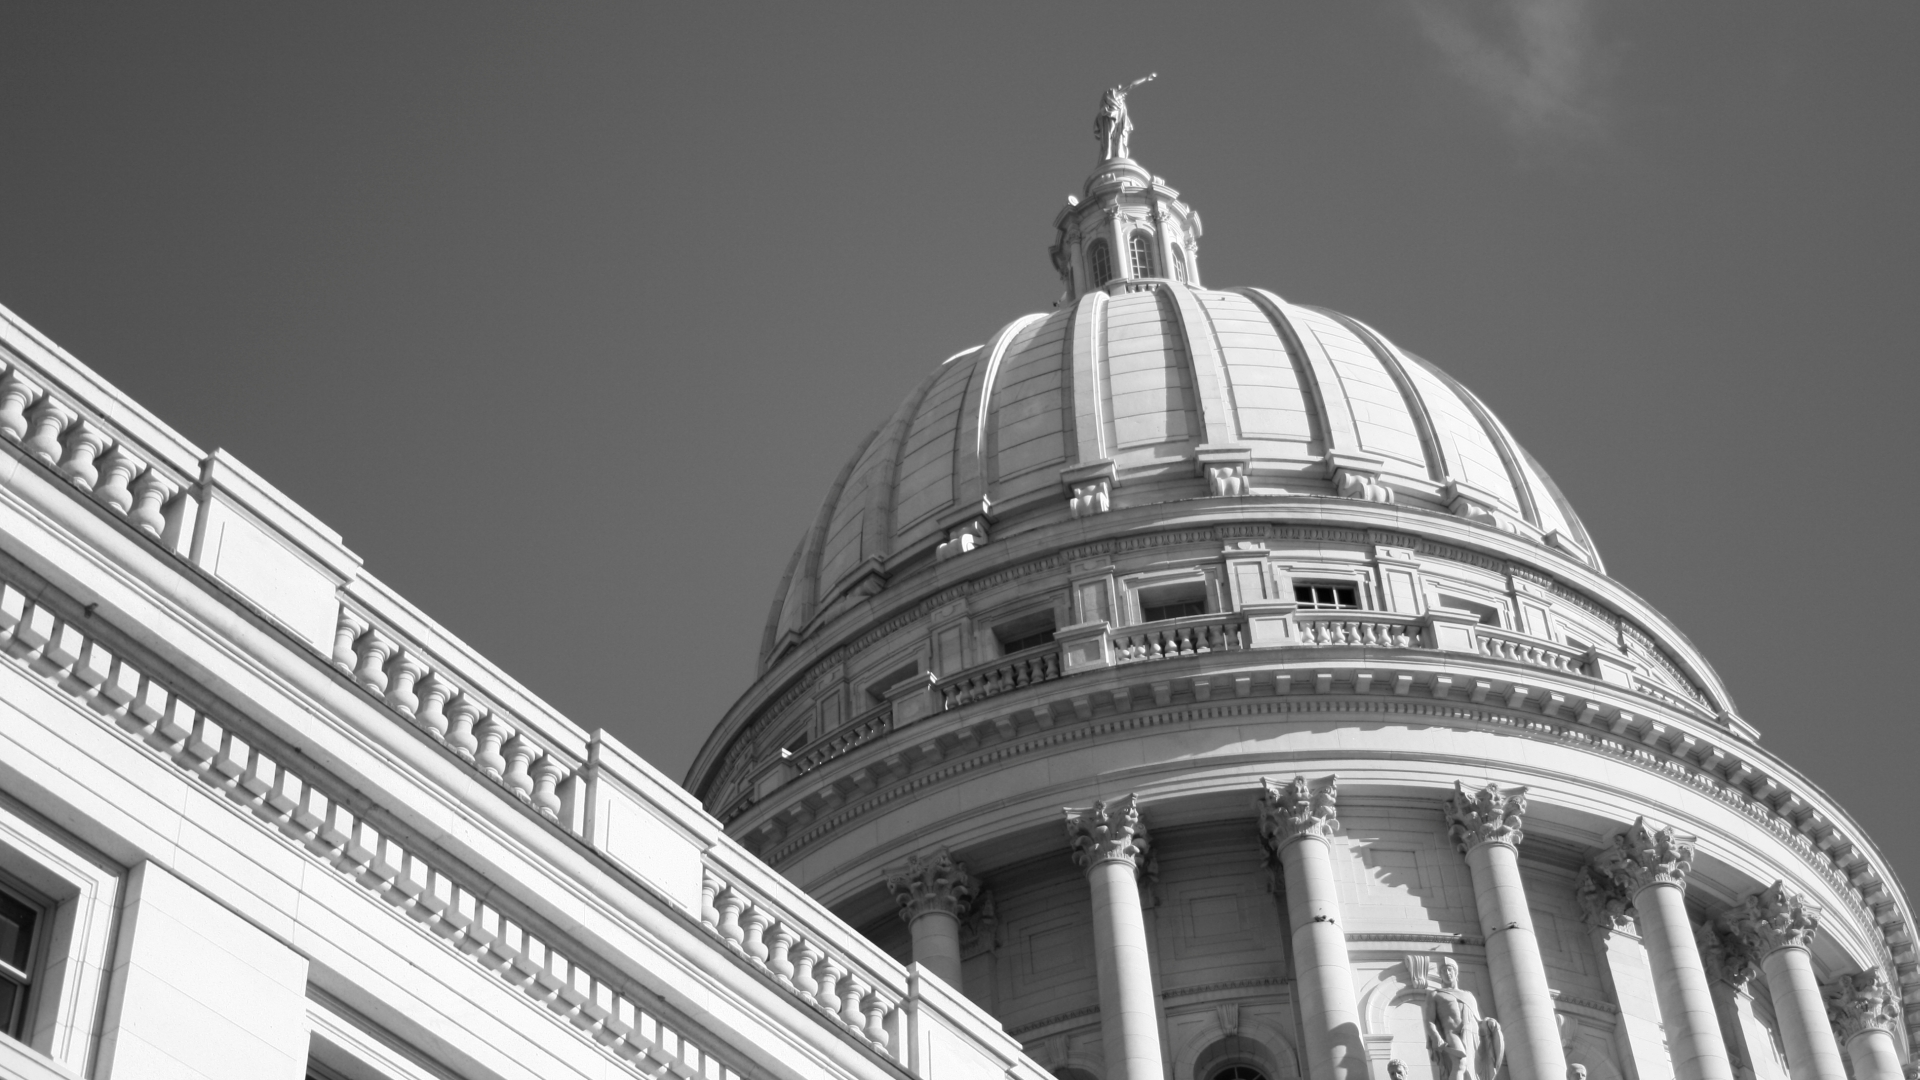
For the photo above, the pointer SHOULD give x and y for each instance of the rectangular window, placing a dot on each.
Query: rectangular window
(1028, 632)
(1326, 597)
(18, 920)
(1486, 613)
(1173, 601)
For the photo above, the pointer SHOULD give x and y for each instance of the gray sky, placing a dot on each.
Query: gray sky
(566, 314)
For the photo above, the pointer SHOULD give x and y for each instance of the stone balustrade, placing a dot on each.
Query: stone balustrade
(1036, 665)
(1522, 649)
(57, 640)
(1191, 636)
(859, 997)
(113, 470)
(861, 729)
(1368, 629)
(484, 736)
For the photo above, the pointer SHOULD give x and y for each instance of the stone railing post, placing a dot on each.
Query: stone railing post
(934, 892)
(1864, 1008)
(1297, 824)
(1648, 868)
(1485, 827)
(1111, 844)
(1773, 928)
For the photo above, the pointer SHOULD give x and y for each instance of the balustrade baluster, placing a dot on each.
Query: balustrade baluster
(375, 647)
(853, 992)
(491, 731)
(519, 753)
(876, 1027)
(547, 774)
(49, 419)
(433, 692)
(804, 958)
(84, 444)
(827, 975)
(729, 905)
(463, 713)
(117, 470)
(15, 395)
(345, 633)
(709, 888)
(779, 941)
(756, 922)
(403, 671)
(150, 493)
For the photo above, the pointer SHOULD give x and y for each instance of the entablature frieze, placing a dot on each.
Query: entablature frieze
(890, 770)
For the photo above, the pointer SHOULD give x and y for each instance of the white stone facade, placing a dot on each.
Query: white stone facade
(1183, 685)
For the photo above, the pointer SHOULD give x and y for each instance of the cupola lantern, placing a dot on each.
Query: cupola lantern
(1127, 225)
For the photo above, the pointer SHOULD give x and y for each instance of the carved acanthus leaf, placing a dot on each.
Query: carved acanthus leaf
(1863, 1002)
(1773, 918)
(1644, 856)
(1292, 810)
(936, 882)
(1488, 816)
(1108, 832)
(1603, 901)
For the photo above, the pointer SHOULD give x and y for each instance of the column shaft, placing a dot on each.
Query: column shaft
(1680, 983)
(1328, 1013)
(1520, 990)
(936, 944)
(1801, 1010)
(1129, 1026)
(1874, 1056)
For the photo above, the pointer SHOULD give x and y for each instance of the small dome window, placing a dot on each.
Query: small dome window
(1140, 247)
(1177, 601)
(1179, 264)
(1238, 1072)
(1100, 262)
(1326, 596)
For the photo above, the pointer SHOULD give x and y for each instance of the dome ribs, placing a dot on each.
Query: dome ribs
(1204, 366)
(1086, 410)
(970, 482)
(1336, 419)
(1441, 460)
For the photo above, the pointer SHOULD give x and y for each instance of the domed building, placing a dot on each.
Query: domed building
(1185, 684)
(1213, 689)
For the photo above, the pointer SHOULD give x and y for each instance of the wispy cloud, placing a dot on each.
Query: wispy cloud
(1536, 60)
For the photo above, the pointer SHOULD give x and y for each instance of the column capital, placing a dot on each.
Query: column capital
(1487, 816)
(1644, 856)
(934, 882)
(1294, 810)
(1863, 1002)
(1770, 919)
(1108, 832)
(1725, 959)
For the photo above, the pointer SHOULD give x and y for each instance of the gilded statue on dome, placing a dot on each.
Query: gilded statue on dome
(1463, 1044)
(1113, 126)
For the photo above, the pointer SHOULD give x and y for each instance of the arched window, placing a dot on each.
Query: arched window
(1179, 264)
(1099, 263)
(1140, 246)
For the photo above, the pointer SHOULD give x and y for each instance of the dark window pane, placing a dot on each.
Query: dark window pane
(1178, 609)
(1100, 263)
(10, 995)
(1140, 245)
(16, 931)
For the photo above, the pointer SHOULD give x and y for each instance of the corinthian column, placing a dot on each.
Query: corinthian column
(1109, 841)
(1774, 928)
(934, 891)
(1297, 824)
(1864, 1009)
(1649, 867)
(1485, 826)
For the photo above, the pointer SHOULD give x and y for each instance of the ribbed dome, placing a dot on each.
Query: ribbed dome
(1153, 391)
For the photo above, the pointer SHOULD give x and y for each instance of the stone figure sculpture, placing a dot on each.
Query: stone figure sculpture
(1396, 1069)
(1463, 1044)
(1576, 1071)
(1113, 126)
